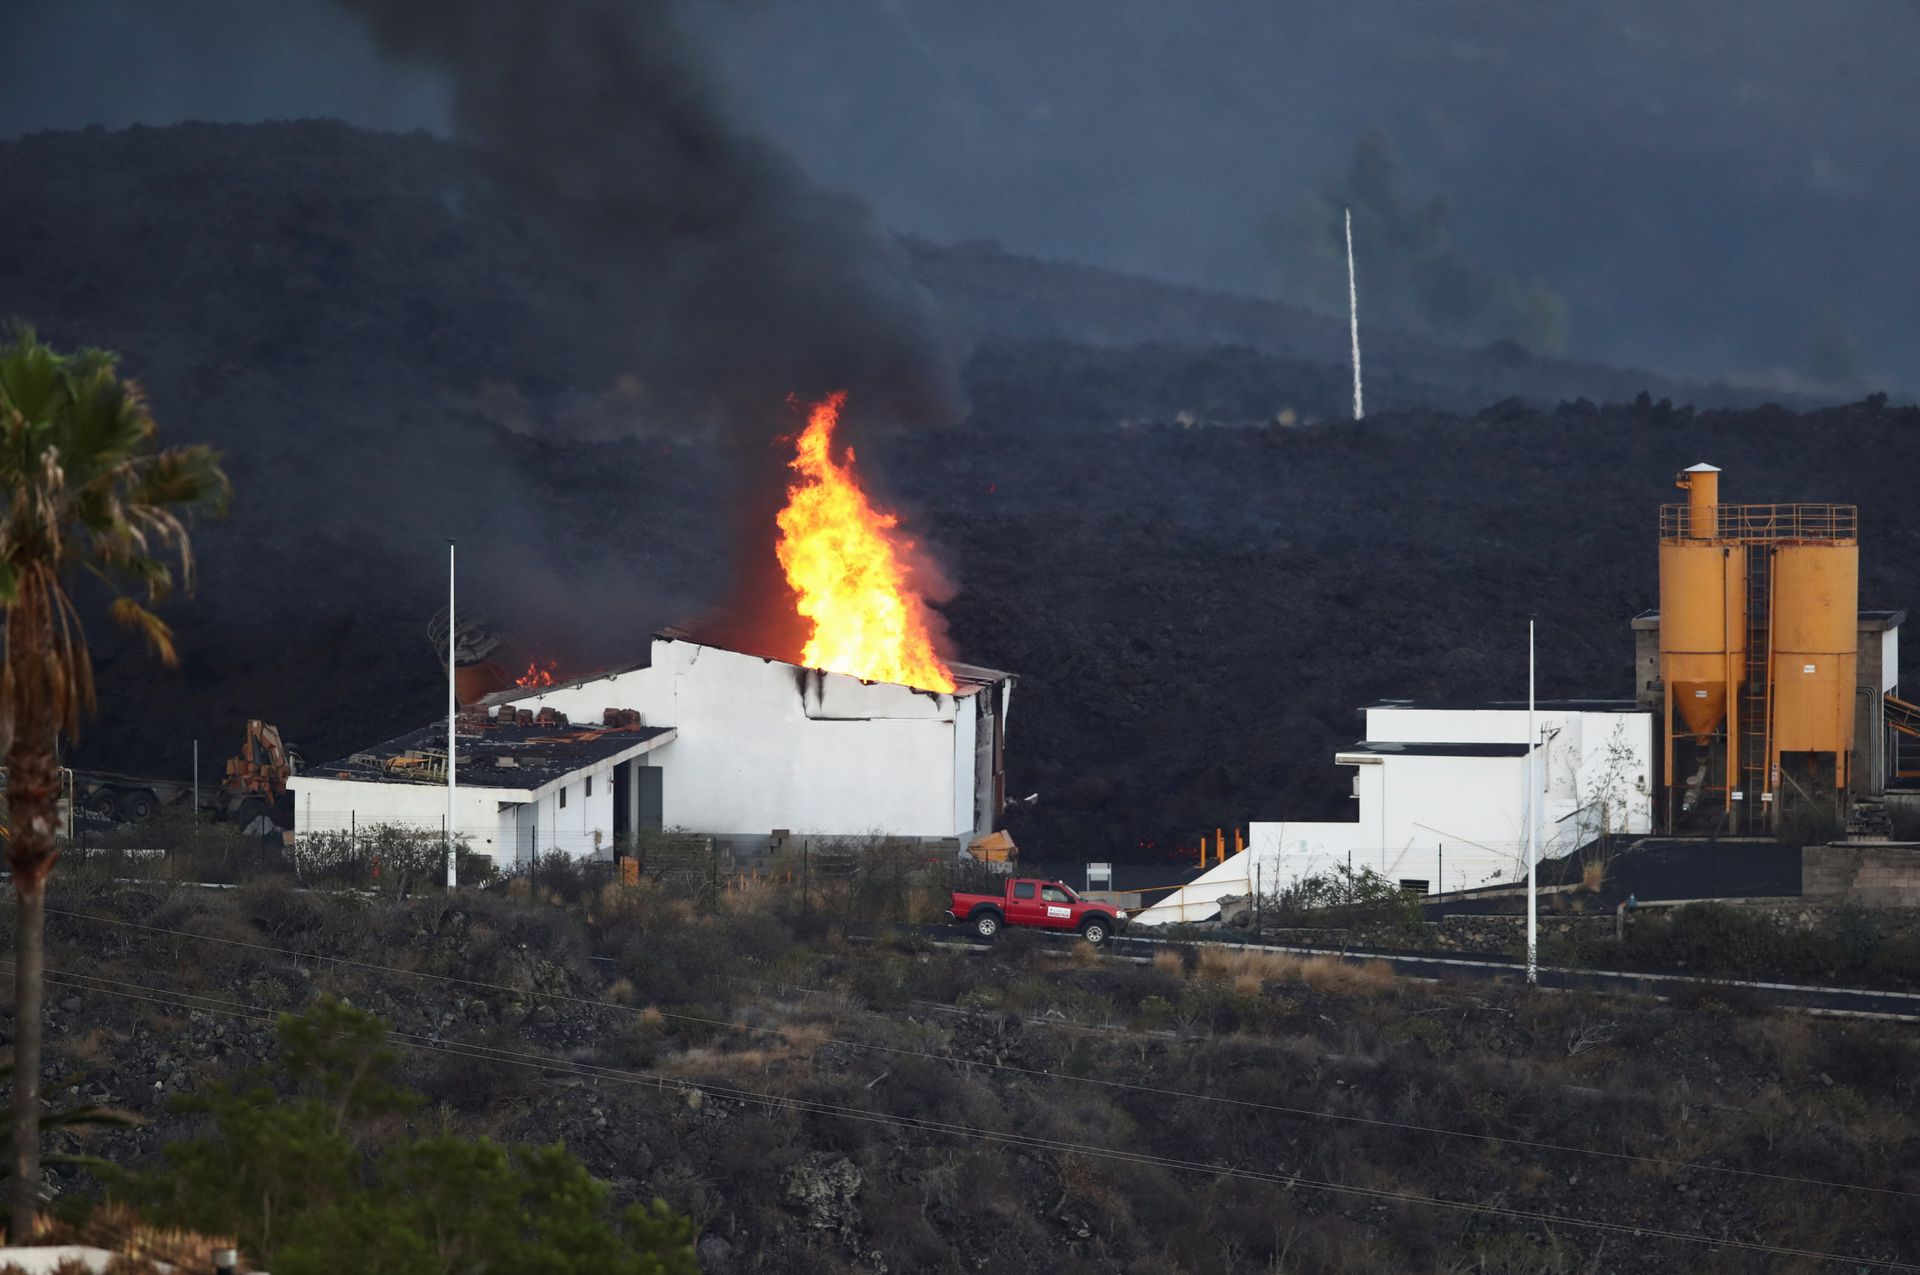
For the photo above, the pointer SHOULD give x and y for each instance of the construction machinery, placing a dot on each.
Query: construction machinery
(256, 780)
(253, 785)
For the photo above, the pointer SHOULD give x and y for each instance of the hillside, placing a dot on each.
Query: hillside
(818, 1105)
(1196, 594)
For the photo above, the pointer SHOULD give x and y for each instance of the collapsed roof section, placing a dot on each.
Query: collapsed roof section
(518, 758)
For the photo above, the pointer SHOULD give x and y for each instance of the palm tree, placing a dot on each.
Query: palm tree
(84, 488)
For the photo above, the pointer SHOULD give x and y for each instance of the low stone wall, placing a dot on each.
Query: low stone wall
(1492, 934)
(1883, 922)
(1872, 875)
(1508, 933)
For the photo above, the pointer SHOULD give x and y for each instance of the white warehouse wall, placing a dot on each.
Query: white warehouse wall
(502, 822)
(1455, 822)
(1593, 758)
(341, 805)
(765, 745)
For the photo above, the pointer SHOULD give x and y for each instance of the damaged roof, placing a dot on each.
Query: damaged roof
(967, 675)
(524, 758)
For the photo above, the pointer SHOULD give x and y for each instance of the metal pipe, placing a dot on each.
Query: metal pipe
(1533, 890)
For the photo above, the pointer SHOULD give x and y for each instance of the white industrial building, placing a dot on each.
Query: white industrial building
(1443, 796)
(739, 747)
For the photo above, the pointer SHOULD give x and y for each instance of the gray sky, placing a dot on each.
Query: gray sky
(1701, 178)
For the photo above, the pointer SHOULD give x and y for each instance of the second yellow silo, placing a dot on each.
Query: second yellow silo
(1816, 607)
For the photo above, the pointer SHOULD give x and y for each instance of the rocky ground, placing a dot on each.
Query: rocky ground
(1156, 511)
(820, 1106)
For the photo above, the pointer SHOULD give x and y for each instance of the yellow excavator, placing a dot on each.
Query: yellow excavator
(254, 784)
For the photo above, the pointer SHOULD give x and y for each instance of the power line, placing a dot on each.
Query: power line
(813, 1106)
(1012, 1068)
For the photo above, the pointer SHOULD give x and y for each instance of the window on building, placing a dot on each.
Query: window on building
(589, 785)
(1413, 887)
(563, 796)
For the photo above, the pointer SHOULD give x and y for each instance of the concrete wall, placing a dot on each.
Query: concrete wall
(1454, 822)
(766, 745)
(340, 805)
(509, 824)
(1596, 766)
(1875, 876)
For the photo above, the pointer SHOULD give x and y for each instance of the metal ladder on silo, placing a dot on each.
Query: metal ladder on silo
(1754, 699)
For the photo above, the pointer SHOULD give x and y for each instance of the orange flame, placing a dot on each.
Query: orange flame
(847, 564)
(535, 675)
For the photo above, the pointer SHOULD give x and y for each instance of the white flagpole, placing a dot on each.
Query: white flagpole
(453, 709)
(1533, 793)
(1353, 319)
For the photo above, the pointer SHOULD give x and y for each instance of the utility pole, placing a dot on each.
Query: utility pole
(1353, 320)
(1533, 895)
(453, 709)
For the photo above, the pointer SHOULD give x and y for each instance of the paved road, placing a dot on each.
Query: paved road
(1812, 998)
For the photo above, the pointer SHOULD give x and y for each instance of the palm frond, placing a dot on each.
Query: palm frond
(182, 477)
(130, 614)
(31, 378)
(81, 486)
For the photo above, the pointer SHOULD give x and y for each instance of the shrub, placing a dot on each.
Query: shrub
(392, 858)
(1353, 899)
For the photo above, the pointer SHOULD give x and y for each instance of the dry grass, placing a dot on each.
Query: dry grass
(1593, 875)
(141, 1248)
(90, 1047)
(621, 992)
(1336, 977)
(750, 897)
(1231, 964)
(1168, 961)
(706, 1062)
(1249, 972)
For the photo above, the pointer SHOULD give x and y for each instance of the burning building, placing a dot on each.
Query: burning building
(866, 731)
(742, 747)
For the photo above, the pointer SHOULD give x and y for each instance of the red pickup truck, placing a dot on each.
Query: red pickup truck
(1046, 905)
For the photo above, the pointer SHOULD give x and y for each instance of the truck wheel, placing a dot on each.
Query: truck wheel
(1095, 931)
(103, 804)
(986, 925)
(139, 805)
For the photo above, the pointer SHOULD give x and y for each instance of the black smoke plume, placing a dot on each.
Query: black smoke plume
(746, 282)
(749, 282)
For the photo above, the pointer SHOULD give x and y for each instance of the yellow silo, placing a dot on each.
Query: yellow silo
(1816, 610)
(1759, 616)
(1703, 606)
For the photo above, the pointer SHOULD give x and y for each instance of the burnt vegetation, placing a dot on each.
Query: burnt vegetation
(835, 1105)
